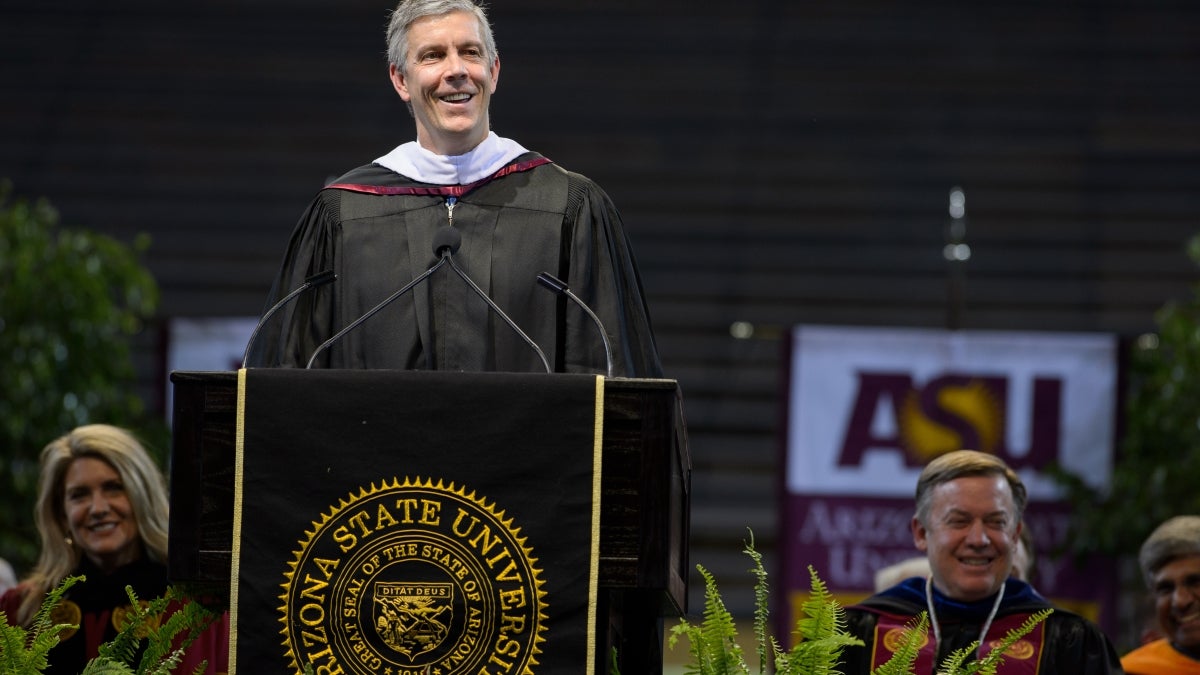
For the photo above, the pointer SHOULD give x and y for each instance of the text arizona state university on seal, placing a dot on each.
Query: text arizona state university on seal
(414, 577)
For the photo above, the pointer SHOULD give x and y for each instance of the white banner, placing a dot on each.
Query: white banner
(870, 406)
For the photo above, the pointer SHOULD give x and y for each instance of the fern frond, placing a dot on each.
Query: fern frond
(823, 633)
(13, 658)
(823, 615)
(954, 663)
(905, 657)
(41, 644)
(102, 665)
(153, 631)
(816, 657)
(42, 620)
(991, 663)
(761, 604)
(189, 620)
(713, 643)
(124, 647)
(613, 667)
(146, 631)
(11, 638)
(26, 651)
(776, 652)
(166, 664)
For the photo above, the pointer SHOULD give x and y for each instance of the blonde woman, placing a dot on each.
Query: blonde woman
(102, 513)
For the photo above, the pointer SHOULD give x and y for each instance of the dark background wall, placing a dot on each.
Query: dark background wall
(776, 163)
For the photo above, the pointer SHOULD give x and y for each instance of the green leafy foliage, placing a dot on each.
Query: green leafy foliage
(957, 664)
(823, 634)
(715, 651)
(713, 644)
(761, 605)
(25, 652)
(714, 647)
(147, 630)
(1159, 451)
(69, 302)
(905, 657)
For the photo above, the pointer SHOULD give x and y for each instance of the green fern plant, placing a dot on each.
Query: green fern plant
(713, 644)
(822, 630)
(955, 663)
(905, 657)
(24, 651)
(715, 650)
(714, 647)
(145, 625)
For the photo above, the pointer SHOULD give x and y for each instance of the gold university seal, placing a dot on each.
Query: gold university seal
(413, 577)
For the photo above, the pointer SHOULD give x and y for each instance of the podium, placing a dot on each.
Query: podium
(643, 508)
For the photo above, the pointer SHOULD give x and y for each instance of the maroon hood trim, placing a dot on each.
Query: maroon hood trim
(439, 190)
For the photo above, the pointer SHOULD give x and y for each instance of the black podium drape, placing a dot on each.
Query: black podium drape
(412, 523)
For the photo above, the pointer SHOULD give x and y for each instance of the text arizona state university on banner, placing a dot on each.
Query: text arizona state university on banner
(409, 523)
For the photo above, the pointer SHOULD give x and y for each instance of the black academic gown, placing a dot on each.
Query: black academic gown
(101, 602)
(1067, 644)
(376, 228)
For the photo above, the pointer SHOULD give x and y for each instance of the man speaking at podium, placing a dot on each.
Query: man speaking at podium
(498, 213)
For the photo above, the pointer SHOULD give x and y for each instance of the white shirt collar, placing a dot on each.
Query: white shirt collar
(419, 164)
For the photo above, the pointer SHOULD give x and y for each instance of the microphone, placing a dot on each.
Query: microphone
(318, 279)
(445, 243)
(559, 286)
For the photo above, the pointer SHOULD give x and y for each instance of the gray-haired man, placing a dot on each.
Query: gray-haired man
(1170, 561)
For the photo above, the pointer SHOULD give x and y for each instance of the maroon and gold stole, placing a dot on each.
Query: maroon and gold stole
(1022, 658)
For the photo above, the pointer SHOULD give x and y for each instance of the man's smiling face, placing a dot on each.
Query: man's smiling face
(1176, 587)
(969, 536)
(448, 79)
